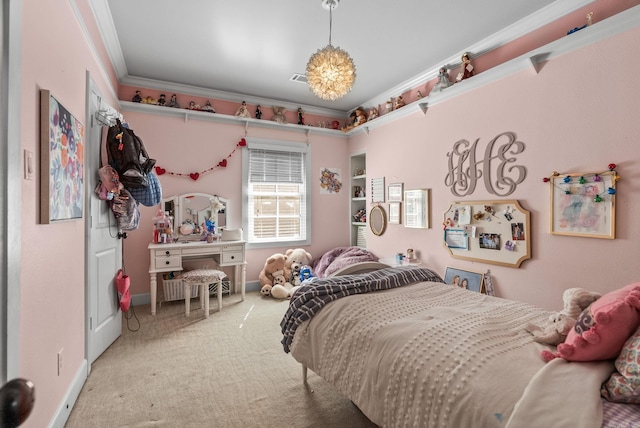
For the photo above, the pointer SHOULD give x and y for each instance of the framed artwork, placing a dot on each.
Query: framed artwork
(394, 192)
(377, 190)
(61, 161)
(473, 281)
(583, 204)
(394, 212)
(416, 208)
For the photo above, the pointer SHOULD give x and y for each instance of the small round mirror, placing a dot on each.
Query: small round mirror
(377, 220)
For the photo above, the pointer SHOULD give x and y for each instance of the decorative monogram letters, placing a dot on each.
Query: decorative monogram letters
(465, 170)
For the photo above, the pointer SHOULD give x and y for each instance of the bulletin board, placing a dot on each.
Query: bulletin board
(496, 232)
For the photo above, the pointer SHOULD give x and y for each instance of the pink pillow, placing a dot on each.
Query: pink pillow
(602, 328)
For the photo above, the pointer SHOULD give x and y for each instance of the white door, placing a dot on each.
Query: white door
(104, 248)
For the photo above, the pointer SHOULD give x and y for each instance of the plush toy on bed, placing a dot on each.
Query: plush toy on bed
(276, 262)
(558, 325)
(281, 289)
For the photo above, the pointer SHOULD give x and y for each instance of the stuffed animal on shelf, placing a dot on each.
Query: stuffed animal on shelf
(558, 325)
(275, 263)
(278, 115)
(282, 289)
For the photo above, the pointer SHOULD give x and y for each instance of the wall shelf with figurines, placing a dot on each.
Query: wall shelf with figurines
(496, 232)
(224, 118)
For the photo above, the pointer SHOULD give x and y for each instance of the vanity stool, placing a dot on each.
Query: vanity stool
(202, 278)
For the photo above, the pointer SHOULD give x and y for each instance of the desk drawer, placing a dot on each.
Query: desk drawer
(168, 262)
(166, 253)
(230, 248)
(232, 257)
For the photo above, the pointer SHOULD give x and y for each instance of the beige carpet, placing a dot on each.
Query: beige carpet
(226, 371)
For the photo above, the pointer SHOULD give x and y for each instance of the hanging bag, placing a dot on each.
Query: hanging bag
(123, 282)
(151, 195)
(128, 156)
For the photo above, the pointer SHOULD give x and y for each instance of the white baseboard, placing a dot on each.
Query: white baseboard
(64, 409)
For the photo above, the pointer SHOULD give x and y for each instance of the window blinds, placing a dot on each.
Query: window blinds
(273, 166)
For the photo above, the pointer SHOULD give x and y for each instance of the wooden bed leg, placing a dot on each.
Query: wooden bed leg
(304, 374)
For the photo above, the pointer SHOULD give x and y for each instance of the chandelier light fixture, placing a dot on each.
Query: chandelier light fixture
(330, 71)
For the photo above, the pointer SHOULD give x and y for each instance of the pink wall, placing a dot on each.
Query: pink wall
(577, 115)
(195, 145)
(55, 56)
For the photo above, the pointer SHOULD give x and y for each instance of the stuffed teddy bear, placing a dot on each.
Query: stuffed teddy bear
(296, 258)
(276, 262)
(281, 288)
(278, 115)
(295, 273)
(558, 325)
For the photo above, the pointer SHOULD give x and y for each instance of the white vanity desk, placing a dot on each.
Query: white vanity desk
(169, 257)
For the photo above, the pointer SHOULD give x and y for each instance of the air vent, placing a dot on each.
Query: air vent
(298, 78)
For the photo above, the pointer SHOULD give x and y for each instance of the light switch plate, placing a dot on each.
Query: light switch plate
(28, 165)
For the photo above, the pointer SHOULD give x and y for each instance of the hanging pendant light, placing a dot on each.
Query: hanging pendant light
(330, 71)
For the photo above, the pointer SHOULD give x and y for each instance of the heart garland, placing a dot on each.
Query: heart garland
(195, 175)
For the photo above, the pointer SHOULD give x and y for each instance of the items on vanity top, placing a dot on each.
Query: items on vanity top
(162, 227)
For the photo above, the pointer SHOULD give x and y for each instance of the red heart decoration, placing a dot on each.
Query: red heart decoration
(242, 142)
(194, 176)
(223, 163)
(160, 170)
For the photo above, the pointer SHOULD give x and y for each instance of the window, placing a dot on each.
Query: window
(276, 189)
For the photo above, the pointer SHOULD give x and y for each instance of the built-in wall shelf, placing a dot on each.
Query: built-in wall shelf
(225, 118)
(533, 60)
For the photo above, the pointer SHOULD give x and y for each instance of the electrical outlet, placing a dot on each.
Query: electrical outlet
(60, 361)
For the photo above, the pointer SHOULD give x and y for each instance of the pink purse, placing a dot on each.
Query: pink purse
(122, 284)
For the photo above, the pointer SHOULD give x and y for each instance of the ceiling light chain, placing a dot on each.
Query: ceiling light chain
(331, 72)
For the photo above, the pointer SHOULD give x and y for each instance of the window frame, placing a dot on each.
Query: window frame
(278, 145)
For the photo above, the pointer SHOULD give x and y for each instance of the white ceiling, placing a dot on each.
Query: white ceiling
(249, 49)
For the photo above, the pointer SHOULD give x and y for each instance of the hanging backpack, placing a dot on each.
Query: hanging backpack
(128, 156)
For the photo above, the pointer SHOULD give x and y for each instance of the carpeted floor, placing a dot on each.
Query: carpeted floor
(226, 371)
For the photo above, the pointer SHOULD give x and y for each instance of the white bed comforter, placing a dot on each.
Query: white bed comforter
(433, 355)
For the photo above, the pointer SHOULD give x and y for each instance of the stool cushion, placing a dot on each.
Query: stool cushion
(203, 275)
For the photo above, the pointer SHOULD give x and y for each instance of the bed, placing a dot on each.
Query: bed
(409, 350)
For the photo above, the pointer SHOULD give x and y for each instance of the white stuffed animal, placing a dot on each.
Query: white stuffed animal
(558, 325)
(281, 289)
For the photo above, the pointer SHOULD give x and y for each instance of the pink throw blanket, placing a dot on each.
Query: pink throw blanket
(338, 258)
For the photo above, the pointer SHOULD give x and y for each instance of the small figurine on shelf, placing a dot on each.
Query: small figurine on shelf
(443, 81)
(162, 100)
(399, 102)
(467, 68)
(300, 116)
(243, 111)
(373, 113)
(150, 100)
(173, 102)
(356, 191)
(193, 106)
(360, 118)
(258, 112)
(137, 98)
(208, 107)
(419, 96)
(388, 107)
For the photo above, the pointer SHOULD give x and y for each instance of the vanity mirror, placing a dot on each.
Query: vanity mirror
(191, 211)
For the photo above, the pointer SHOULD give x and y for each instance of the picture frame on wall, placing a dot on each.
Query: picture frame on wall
(417, 208)
(394, 192)
(583, 204)
(473, 281)
(61, 161)
(395, 209)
